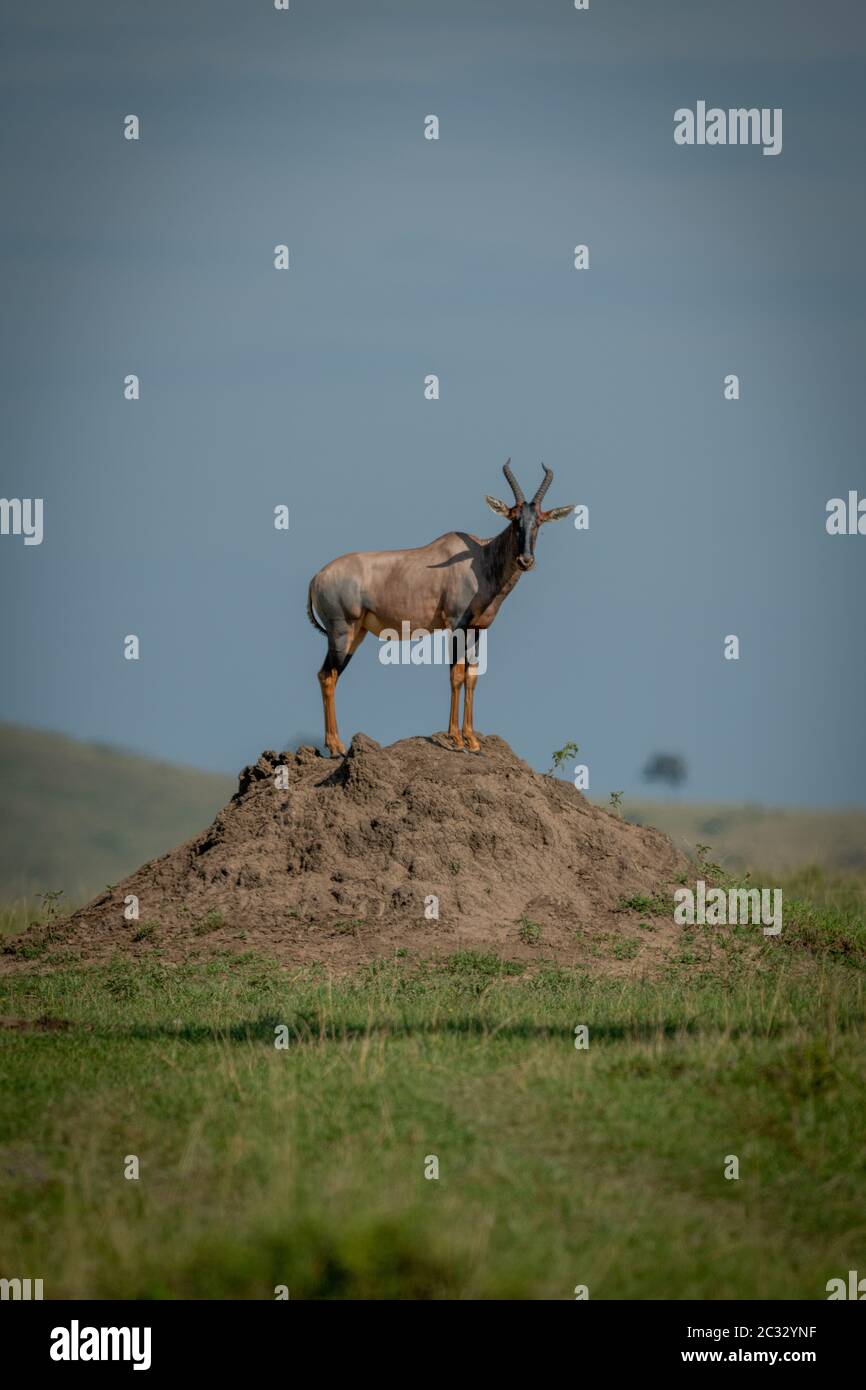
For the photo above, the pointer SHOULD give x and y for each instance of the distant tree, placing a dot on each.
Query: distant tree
(666, 767)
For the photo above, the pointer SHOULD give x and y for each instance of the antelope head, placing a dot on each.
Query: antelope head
(526, 517)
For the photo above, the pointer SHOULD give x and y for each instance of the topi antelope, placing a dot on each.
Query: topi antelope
(457, 583)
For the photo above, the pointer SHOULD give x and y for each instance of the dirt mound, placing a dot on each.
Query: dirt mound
(342, 861)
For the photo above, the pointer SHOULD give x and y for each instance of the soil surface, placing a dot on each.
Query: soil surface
(342, 861)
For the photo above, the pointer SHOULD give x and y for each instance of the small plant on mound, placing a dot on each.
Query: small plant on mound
(50, 913)
(51, 904)
(146, 931)
(616, 804)
(656, 905)
(348, 928)
(212, 921)
(562, 755)
(710, 869)
(529, 932)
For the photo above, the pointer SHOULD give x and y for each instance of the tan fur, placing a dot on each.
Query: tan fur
(455, 583)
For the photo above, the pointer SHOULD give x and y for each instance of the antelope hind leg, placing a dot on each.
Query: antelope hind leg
(328, 683)
(341, 648)
(458, 673)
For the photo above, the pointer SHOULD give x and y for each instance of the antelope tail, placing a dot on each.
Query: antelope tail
(310, 614)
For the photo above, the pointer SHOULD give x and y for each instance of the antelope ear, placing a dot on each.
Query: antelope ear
(556, 513)
(499, 507)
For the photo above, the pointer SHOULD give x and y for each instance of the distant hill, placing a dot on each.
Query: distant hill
(75, 816)
(752, 837)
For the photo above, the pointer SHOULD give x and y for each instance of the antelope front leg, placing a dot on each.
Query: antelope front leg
(458, 672)
(468, 732)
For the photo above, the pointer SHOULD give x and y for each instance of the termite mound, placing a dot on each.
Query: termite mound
(414, 847)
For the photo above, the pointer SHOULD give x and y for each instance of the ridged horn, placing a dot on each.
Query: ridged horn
(542, 487)
(514, 484)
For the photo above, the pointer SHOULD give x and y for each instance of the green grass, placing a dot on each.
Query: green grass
(657, 905)
(826, 913)
(304, 1165)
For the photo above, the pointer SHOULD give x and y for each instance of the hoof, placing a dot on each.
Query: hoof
(472, 743)
(336, 749)
(456, 739)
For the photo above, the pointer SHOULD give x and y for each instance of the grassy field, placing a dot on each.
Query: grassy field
(304, 1166)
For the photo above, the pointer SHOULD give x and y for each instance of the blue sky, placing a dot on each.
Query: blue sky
(452, 257)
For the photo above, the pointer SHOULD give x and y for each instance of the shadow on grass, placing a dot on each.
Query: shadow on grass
(304, 1030)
